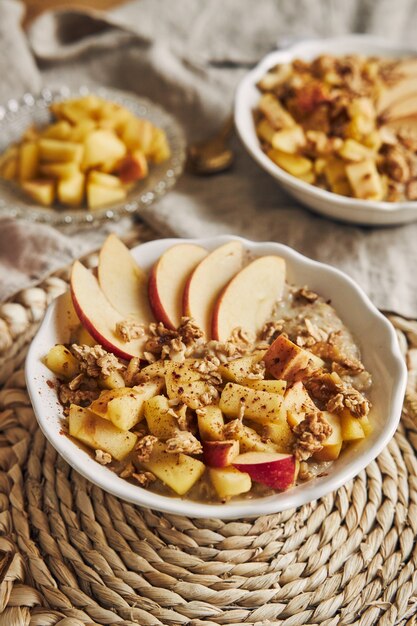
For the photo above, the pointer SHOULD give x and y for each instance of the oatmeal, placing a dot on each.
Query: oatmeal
(254, 408)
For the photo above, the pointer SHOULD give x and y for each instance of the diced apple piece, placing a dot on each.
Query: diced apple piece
(365, 180)
(208, 280)
(98, 316)
(126, 411)
(328, 453)
(250, 441)
(274, 112)
(59, 170)
(81, 130)
(28, 161)
(104, 180)
(351, 427)
(210, 423)
(160, 423)
(137, 134)
(229, 482)
(260, 406)
(9, 163)
(354, 151)
(292, 163)
(61, 362)
(99, 406)
(178, 471)
(335, 170)
(332, 446)
(289, 140)
(184, 383)
(84, 338)
(286, 361)
(41, 191)
(265, 131)
(167, 281)
(98, 195)
(100, 434)
(123, 282)
(101, 146)
(155, 370)
(236, 371)
(297, 403)
(272, 386)
(220, 453)
(132, 167)
(71, 190)
(280, 434)
(273, 469)
(264, 279)
(159, 150)
(366, 424)
(114, 380)
(59, 130)
(56, 150)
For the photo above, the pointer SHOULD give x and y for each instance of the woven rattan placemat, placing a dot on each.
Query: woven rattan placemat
(70, 554)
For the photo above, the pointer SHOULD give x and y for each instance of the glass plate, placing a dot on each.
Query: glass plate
(17, 115)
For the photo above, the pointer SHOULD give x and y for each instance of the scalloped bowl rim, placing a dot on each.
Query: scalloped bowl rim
(44, 399)
(309, 49)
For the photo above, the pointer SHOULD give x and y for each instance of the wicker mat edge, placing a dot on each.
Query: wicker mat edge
(72, 555)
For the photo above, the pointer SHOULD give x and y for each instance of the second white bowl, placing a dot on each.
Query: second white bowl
(320, 200)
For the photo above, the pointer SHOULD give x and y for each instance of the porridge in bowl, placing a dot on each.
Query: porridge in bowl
(211, 377)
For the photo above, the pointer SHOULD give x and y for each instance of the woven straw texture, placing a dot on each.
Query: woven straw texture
(71, 554)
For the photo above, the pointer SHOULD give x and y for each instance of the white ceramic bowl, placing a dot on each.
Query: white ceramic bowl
(381, 356)
(320, 200)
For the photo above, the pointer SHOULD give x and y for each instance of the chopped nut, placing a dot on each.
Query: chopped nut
(337, 395)
(258, 371)
(305, 473)
(232, 429)
(132, 370)
(311, 433)
(306, 294)
(127, 470)
(184, 442)
(104, 458)
(129, 329)
(180, 415)
(190, 333)
(95, 361)
(271, 330)
(144, 478)
(80, 397)
(145, 446)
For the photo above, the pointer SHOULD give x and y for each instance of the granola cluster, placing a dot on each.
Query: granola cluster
(322, 121)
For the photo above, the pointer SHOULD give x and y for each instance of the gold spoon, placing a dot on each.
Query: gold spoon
(212, 155)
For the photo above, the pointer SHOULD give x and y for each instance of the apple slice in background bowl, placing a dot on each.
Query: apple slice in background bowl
(374, 334)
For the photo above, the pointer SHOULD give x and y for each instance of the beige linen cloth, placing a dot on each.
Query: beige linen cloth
(188, 56)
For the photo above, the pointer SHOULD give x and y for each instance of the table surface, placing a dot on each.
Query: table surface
(35, 7)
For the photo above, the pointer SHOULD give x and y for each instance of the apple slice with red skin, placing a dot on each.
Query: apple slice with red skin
(249, 298)
(220, 453)
(98, 316)
(123, 282)
(273, 469)
(167, 281)
(207, 282)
